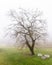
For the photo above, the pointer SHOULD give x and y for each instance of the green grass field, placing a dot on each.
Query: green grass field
(12, 56)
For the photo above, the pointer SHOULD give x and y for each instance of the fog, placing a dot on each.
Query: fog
(6, 5)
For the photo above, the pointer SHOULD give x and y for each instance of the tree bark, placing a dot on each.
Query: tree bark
(33, 44)
(31, 48)
(32, 51)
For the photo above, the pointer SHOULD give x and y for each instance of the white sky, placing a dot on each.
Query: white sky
(42, 5)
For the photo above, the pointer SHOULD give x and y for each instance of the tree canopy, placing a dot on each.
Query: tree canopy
(28, 27)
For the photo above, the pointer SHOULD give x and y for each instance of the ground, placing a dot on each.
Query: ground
(13, 56)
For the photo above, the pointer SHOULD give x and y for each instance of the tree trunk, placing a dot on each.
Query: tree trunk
(31, 48)
(32, 51)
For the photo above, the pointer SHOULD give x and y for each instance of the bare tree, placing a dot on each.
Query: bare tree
(28, 27)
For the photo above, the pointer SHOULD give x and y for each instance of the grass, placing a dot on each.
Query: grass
(12, 56)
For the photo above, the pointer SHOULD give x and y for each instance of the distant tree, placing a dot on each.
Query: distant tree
(28, 27)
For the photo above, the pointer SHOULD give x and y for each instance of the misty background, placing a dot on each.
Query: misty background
(5, 5)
